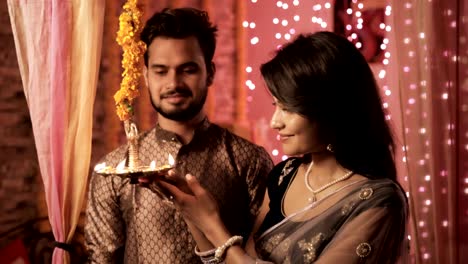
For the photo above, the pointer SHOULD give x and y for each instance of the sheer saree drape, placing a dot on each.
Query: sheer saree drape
(363, 222)
(58, 45)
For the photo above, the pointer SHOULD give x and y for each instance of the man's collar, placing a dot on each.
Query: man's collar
(163, 134)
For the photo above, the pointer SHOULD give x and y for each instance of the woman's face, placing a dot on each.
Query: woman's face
(298, 135)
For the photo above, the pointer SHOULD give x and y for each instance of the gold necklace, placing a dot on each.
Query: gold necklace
(313, 199)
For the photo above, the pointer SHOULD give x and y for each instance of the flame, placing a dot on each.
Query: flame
(99, 166)
(153, 165)
(171, 160)
(121, 166)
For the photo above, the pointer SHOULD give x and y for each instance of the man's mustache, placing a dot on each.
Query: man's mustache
(178, 91)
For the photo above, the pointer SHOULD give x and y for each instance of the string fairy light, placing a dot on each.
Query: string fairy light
(417, 39)
(288, 18)
(310, 16)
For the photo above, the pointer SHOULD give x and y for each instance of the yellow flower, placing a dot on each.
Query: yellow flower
(133, 48)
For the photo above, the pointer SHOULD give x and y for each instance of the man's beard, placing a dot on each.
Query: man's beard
(182, 114)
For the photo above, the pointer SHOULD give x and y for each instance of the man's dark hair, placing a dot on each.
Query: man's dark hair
(182, 23)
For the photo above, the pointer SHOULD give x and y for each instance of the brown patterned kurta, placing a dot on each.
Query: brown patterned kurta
(130, 224)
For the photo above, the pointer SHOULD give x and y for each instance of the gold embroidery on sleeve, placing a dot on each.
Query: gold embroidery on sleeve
(284, 246)
(366, 193)
(286, 170)
(272, 242)
(363, 250)
(348, 207)
(310, 248)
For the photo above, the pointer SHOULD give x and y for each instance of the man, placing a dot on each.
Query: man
(129, 223)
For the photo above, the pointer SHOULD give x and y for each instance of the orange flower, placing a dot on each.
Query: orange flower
(133, 48)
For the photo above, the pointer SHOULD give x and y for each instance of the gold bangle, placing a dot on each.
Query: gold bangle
(221, 250)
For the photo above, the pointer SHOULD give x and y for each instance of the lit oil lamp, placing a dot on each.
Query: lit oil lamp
(135, 172)
(134, 48)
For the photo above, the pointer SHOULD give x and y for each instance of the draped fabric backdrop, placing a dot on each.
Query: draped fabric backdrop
(58, 45)
(431, 67)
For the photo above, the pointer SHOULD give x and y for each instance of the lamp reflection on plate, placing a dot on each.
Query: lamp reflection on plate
(149, 174)
(135, 172)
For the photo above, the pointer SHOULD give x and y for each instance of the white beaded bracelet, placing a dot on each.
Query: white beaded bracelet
(221, 250)
(210, 260)
(204, 253)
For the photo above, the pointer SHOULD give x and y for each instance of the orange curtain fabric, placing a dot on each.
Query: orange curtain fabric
(58, 45)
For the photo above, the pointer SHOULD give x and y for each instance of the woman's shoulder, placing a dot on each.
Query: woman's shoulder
(382, 192)
(384, 184)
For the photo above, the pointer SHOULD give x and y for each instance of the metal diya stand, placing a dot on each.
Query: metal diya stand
(145, 176)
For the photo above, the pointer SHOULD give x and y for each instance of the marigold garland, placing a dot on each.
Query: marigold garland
(133, 48)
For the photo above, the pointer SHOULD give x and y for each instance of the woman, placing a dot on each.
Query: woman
(336, 200)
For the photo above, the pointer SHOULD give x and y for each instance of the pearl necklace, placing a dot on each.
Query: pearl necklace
(323, 187)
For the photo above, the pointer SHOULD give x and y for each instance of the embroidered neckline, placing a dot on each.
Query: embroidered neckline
(307, 207)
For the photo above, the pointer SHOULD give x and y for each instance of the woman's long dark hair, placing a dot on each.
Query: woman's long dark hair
(323, 77)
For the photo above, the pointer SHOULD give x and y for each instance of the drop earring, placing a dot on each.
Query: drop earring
(330, 148)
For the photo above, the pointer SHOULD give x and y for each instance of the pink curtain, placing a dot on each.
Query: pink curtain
(58, 45)
(431, 65)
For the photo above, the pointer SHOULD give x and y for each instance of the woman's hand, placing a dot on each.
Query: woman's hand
(153, 183)
(195, 203)
(201, 213)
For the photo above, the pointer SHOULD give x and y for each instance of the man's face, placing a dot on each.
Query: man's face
(177, 77)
